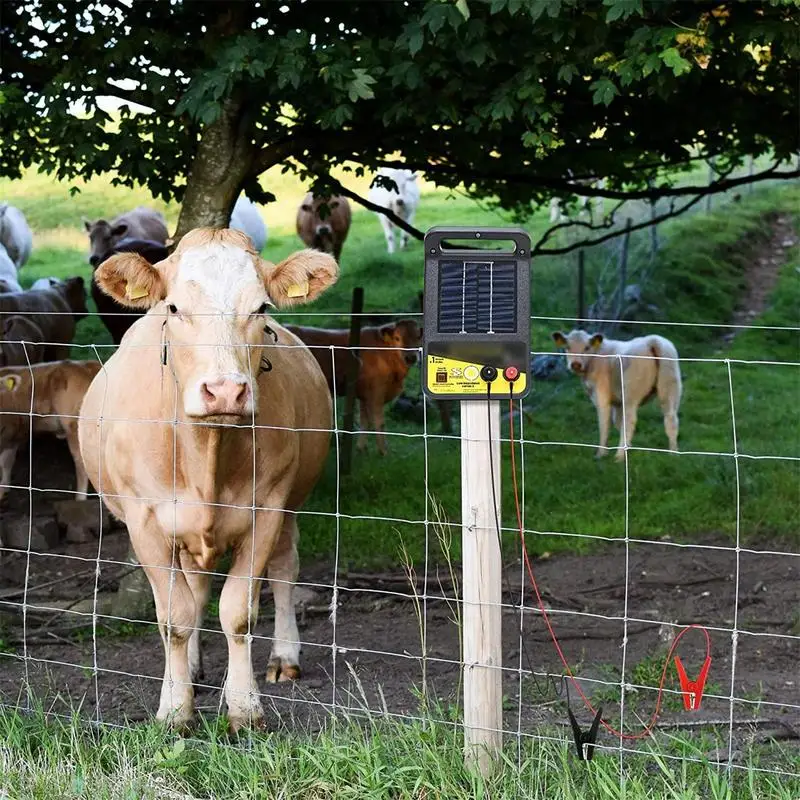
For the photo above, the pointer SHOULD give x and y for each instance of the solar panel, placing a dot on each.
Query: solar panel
(477, 297)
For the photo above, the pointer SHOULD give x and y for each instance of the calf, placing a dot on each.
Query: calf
(49, 396)
(206, 437)
(15, 235)
(385, 355)
(402, 200)
(620, 376)
(8, 273)
(323, 223)
(116, 317)
(140, 223)
(21, 342)
(245, 218)
(56, 311)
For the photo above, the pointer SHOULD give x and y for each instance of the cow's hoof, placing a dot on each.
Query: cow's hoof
(601, 453)
(179, 720)
(247, 722)
(278, 672)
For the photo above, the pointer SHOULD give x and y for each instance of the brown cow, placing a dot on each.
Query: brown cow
(20, 342)
(168, 437)
(140, 223)
(323, 223)
(56, 311)
(50, 394)
(386, 355)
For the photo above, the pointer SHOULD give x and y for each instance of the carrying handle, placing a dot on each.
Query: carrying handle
(466, 241)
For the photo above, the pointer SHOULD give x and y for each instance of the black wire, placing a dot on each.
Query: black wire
(556, 686)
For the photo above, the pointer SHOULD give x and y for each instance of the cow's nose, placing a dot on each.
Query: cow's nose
(225, 396)
(324, 230)
(94, 260)
(576, 366)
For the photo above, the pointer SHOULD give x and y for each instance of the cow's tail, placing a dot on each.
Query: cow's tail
(668, 384)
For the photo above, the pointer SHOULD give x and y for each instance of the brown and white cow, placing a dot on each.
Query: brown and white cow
(323, 223)
(205, 432)
(50, 396)
(139, 223)
(386, 355)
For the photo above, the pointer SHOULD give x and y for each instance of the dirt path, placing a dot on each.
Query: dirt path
(762, 275)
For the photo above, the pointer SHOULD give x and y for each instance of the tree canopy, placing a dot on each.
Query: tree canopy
(514, 99)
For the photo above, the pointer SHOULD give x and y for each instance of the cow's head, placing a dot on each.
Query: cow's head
(579, 347)
(318, 212)
(403, 334)
(102, 238)
(214, 292)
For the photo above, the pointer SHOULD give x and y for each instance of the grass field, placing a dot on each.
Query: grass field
(697, 279)
(374, 760)
(569, 499)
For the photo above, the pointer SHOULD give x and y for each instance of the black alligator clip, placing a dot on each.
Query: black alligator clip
(585, 741)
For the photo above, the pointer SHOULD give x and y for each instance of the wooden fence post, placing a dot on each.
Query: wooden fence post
(482, 582)
(623, 267)
(352, 378)
(581, 321)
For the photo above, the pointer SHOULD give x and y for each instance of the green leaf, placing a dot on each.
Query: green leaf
(462, 6)
(604, 91)
(675, 61)
(359, 87)
(566, 72)
(622, 9)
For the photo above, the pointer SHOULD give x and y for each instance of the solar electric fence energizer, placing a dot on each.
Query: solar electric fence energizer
(477, 313)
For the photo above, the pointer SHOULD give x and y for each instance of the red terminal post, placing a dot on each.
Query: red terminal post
(511, 374)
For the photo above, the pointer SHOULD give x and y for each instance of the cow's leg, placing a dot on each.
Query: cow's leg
(367, 422)
(603, 420)
(284, 659)
(630, 413)
(81, 478)
(388, 232)
(176, 616)
(616, 417)
(670, 422)
(200, 584)
(238, 614)
(380, 426)
(404, 236)
(7, 458)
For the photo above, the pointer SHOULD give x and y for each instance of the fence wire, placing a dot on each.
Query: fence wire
(387, 644)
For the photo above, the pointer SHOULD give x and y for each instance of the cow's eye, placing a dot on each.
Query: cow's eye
(262, 309)
(172, 308)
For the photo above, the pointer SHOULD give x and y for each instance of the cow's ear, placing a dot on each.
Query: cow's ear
(300, 278)
(119, 230)
(131, 280)
(10, 382)
(559, 338)
(87, 225)
(596, 341)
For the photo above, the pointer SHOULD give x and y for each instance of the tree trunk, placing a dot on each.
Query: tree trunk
(225, 156)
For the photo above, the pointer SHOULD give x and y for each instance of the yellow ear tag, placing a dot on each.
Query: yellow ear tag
(135, 292)
(10, 383)
(298, 290)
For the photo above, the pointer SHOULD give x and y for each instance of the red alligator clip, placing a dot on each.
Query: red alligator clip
(692, 690)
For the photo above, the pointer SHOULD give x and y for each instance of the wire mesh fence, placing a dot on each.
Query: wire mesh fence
(379, 591)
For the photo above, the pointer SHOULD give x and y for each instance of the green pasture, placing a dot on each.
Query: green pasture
(569, 497)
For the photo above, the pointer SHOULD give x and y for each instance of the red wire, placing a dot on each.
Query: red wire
(651, 724)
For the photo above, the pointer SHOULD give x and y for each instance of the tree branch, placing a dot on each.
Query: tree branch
(566, 186)
(537, 249)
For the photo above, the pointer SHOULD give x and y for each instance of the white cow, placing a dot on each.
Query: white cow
(403, 201)
(15, 235)
(649, 367)
(245, 218)
(585, 205)
(8, 273)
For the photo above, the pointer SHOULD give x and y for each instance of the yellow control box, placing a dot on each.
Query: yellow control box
(448, 376)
